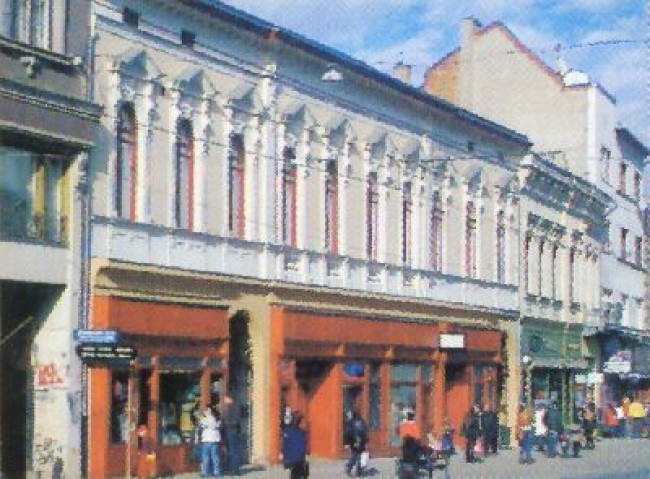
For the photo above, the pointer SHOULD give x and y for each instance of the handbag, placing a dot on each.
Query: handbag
(364, 459)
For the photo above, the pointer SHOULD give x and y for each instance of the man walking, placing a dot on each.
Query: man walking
(490, 430)
(355, 439)
(553, 423)
(636, 413)
(472, 431)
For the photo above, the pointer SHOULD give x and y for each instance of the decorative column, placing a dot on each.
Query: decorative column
(227, 131)
(302, 178)
(251, 162)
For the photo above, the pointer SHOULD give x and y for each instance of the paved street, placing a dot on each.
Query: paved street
(617, 458)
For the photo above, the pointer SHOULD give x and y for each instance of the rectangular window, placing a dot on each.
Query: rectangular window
(637, 186)
(623, 179)
(27, 21)
(289, 205)
(605, 156)
(501, 248)
(236, 182)
(188, 39)
(540, 268)
(436, 233)
(638, 251)
(525, 264)
(119, 399)
(572, 264)
(554, 271)
(130, 17)
(372, 217)
(407, 213)
(374, 397)
(331, 209)
(470, 241)
(624, 233)
(177, 389)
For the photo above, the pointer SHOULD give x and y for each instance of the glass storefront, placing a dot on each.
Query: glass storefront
(178, 393)
(403, 397)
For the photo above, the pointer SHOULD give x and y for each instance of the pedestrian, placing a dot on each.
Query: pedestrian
(409, 427)
(554, 428)
(625, 405)
(540, 428)
(294, 448)
(146, 453)
(620, 417)
(231, 420)
(356, 440)
(610, 421)
(524, 431)
(490, 430)
(636, 415)
(472, 432)
(647, 419)
(209, 427)
(589, 424)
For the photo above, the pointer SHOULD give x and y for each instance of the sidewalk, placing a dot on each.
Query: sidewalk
(612, 458)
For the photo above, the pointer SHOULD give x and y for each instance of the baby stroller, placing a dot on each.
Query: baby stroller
(571, 441)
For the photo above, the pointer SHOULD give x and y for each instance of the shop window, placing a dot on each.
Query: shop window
(351, 402)
(403, 394)
(119, 399)
(331, 209)
(144, 396)
(184, 191)
(374, 397)
(236, 174)
(426, 376)
(178, 390)
(407, 219)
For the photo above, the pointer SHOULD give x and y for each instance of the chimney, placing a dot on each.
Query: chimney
(402, 71)
(468, 28)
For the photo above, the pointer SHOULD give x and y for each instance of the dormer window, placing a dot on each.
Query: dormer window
(130, 17)
(188, 39)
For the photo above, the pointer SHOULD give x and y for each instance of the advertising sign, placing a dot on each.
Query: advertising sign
(106, 355)
(619, 363)
(451, 341)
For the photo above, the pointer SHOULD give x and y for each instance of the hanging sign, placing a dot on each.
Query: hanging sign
(96, 335)
(106, 355)
(451, 341)
(619, 363)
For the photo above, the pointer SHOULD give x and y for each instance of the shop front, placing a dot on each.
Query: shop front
(625, 367)
(181, 365)
(328, 365)
(552, 357)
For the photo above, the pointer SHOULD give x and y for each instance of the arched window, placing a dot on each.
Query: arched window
(331, 208)
(289, 175)
(184, 197)
(501, 247)
(236, 175)
(470, 240)
(126, 163)
(372, 216)
(436, 232)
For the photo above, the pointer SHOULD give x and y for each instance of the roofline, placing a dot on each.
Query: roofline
(266, 30)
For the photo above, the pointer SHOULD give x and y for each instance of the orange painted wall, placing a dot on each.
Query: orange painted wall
(324, 409)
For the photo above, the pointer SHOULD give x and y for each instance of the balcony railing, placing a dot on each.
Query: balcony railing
(17, 223)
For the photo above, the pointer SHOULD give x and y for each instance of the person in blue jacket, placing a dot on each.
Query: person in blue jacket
(294, 448)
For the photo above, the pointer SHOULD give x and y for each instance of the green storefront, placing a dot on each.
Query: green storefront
(552, 356)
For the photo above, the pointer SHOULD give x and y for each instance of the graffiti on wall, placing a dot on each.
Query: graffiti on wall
(48, 456)
(48, 374)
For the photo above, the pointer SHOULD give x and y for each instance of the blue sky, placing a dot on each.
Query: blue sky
(607, 39)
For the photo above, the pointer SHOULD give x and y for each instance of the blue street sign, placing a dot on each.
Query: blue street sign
(105, 336)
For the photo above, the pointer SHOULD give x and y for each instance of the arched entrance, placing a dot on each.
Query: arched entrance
(240, 380)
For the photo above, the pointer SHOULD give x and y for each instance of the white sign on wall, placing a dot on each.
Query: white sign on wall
(451, 341)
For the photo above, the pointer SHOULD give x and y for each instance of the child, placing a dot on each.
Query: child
(146, 453)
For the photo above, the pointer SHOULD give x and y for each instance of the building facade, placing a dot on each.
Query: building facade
(573, 120)
(261, 231)
(46, 131)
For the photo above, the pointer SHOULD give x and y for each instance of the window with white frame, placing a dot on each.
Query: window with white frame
(638, 250)
(540, 267)
(289, 176)
(126, 164)
(554, 251)
(622, 179)
(637, 186)
(27, 21)
(501, 247)
(525, 264)
(184, 181)
(236, 174)
(436, 232)
(470, 240)
(572, 271)
(331, 208)
(605, 158)
(407, 219)
(372, 216)
(624, 235)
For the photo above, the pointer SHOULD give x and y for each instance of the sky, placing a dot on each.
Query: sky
(607, 39)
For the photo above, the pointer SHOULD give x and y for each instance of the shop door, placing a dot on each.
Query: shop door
(240, 379)
(457, 397)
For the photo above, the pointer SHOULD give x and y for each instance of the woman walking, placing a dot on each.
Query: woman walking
(294, 448)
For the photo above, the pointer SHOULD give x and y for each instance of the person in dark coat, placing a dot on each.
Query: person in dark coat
(355, 439)
(490, 426)
(553, 423)
(472, 431)
(294, 448)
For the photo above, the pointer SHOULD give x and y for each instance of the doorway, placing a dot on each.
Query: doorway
(240, 380)
(457, 397)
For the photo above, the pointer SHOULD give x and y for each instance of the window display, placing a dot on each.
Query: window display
(119, 399)
(178, 395)
(402, 397)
